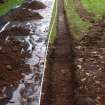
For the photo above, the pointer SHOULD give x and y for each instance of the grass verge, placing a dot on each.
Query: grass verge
(53, 24)
(78, 27)
(9, 4)
(95, 6)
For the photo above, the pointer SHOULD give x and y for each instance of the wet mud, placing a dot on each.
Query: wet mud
(15, 31)
(90, 61)
(22, 52)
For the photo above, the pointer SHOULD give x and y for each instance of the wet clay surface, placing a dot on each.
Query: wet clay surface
(21, 14)
(11, 64)
(22, 52)
(58, 86)
(15, 31)
(84, 14)
(90, 61)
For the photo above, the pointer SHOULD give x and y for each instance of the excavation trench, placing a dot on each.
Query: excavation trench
(59, 81)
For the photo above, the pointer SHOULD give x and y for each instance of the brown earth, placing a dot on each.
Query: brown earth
(22, 15)
(34, 5)
(90, 61)
(13, 52)
(12, 64)
(84, 14)
(59, 79)
(15, 31)
(11, 61)
(59, 84)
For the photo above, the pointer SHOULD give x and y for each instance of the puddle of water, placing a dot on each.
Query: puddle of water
(28, 91)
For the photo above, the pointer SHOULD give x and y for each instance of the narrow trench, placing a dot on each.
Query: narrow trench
(59, 82)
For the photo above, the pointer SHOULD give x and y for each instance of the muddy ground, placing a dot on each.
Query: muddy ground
(14, 52)
(87, 70)
(90, 62)
(34, 5)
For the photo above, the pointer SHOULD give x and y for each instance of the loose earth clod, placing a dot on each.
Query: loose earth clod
(15, 31)
(34, 5)
(22, 15)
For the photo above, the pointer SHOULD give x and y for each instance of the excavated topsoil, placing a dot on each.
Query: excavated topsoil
(58, 88)
(14, 53)
(34, 5)
(15, 31)
(84, 14)
(20, 14)
(90, 61)
(11, 61)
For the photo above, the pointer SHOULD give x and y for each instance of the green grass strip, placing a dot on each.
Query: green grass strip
(9, 4)
(53, 24)
(78, 27)
(95, 6)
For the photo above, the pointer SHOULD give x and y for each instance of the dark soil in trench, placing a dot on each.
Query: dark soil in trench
(25, 13)
(59, 82)
(90, 61)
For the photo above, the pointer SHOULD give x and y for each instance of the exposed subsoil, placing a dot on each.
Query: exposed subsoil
(84, 14)
(21, 14)
(34, 5)
(59, 79)
(90, 61)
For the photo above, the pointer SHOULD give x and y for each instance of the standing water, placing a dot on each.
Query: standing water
(27, 92)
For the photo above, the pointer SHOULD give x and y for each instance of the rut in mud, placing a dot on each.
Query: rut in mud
(59, 79)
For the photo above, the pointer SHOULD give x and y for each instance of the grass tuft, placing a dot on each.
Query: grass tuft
(78, 27)
(9, 4)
